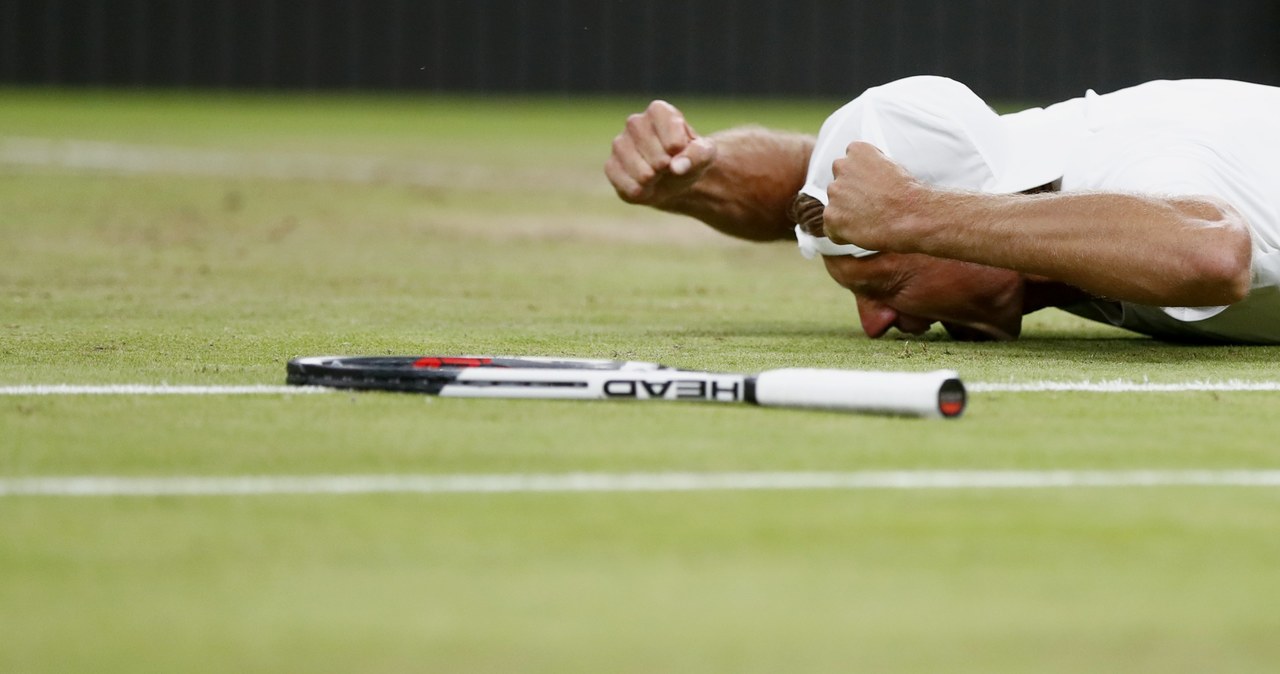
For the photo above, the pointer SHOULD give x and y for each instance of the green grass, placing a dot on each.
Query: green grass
(1059, 582)
(514, 243)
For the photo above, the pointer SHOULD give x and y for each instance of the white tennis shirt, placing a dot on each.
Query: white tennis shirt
(1191, 137)
(1169, 138)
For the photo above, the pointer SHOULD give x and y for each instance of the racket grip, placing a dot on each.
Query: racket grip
(938, 394)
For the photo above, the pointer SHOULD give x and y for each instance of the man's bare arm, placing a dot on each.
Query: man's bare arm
(740, 181)
(1162, 251)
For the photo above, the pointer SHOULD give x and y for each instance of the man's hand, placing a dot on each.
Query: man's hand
(739, 181)
(657, 157)
(869, 200)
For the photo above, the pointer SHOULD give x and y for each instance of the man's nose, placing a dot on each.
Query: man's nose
(876, 317)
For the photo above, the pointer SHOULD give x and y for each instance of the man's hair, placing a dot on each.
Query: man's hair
(806, 211)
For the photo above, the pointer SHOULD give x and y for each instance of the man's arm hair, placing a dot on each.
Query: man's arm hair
(748, 190)
(1162, 251)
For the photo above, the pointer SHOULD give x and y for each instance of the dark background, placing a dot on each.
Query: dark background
(1007, 49)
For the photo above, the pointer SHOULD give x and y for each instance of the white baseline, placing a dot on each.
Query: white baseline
(85, 486)
(1121, 386)
(153, 390)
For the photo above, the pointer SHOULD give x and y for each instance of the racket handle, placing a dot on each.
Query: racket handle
(925, 394)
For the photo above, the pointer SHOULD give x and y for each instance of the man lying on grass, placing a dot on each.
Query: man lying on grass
(1154, 208)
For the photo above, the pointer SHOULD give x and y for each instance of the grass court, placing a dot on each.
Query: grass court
(204, 239)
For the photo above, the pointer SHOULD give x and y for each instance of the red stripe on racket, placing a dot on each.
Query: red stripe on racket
(433, 362)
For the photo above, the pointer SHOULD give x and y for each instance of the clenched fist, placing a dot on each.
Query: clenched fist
(658, 156)
(869, 200)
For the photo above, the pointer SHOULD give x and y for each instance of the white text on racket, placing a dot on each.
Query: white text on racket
(728, 389)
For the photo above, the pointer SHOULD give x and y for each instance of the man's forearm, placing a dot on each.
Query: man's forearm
(1162, 251)
(749, 188)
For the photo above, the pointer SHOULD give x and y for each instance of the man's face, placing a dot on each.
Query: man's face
(911, 292)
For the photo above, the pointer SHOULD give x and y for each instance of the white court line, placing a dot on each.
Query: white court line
(1110, 386)
(153, 390)
(1121, 386)
(627, 482)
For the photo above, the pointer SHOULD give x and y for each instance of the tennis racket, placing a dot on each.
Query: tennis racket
(926, 394)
